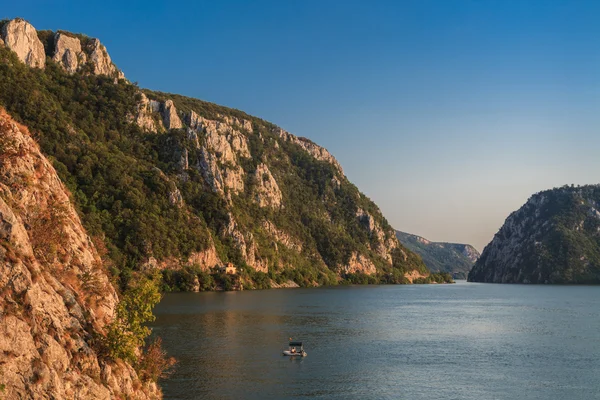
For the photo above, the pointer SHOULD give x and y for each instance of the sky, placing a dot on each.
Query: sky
(448, 114)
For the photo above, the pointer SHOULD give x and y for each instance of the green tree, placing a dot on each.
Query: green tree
(127, 333)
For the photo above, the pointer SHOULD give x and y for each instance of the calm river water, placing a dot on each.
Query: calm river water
(462, 341)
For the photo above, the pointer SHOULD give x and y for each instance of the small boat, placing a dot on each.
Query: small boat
(295, 349)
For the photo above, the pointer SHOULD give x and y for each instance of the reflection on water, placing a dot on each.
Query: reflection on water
(463, 341)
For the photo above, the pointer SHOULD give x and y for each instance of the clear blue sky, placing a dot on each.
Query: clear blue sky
(448, 114)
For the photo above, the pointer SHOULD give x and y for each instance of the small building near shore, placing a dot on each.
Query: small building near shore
(228, 269)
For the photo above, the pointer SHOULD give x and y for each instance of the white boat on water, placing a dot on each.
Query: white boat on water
(295, 349)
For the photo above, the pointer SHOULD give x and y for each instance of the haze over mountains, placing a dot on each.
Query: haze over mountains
(454, 258)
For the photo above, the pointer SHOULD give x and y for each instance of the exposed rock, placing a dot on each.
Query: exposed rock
(335, 182)
(175, 198)
(314, 150)
(155, 106)
(143, 117)
(68, 52)
(207, 165)
(553, 238)
(281, 237)
(193, 136)
(101, 61)
(56, 296)
(284, 285)
(383, 247)
(412, 275)
(170, 117)
(233, 178)
(245, 244)
(206, 259)
(359, 264)
(267, 191)
(222, 137)
(21, 37)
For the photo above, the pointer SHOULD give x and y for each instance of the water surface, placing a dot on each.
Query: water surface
(462, 341)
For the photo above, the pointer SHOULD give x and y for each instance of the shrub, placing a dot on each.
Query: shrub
(154, 363)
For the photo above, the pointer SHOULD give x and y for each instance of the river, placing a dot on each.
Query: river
(461, 341)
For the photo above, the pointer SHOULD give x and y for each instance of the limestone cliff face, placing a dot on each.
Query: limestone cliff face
(170, 117)
(56, 297)
(21, 37)
(67, 49)
(383, 246)
(553, 238)
(144, 116)
(68, 52)
(225, 173)
(267, 193)
(318, 152)
(359, 263)
(101, 61)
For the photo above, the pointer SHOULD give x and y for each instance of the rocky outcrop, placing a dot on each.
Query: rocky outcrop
(281, 237)
(553, 238)
(219, 178)
(101, 61)
(411, 276)
(21, 37)
(222, 138)
(56, 297)
(454, 258)
(170, 117)
(218, 162)
(267, 193)
(206, 259)
(382, 246)
(314, 150)
(359, 264)
(144, 114)
(68, 52)
(284, 285)
(245, 244)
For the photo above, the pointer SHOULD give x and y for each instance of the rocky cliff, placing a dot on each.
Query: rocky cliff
(56, 296)
(179, 184)
(65, 48)
(454, 258)
(21, 37)
(553, 238)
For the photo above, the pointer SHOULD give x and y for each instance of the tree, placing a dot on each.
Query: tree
(127, 333)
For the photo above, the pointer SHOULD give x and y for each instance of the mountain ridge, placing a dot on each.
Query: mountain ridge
(553, 238)
(207, 184)
(454, 258)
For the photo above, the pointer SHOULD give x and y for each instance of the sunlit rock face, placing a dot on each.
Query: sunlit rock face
(56, 296)
(68, 52)
(101, 61)
(21, 37)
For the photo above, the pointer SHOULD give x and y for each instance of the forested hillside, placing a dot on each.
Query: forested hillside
(553, 238)
(170, 182)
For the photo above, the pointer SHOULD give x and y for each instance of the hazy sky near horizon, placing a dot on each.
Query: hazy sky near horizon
(448, 114)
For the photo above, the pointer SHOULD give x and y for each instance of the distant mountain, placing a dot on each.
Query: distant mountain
(454, 258)
(553, 238)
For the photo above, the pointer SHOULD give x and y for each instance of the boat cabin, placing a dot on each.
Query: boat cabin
(296, 347)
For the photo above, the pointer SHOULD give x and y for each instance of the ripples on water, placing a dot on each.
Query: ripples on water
(463, 341)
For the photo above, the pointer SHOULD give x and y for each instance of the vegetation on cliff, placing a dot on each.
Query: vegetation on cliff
(553, 238)
(123, 179)
(454, 258)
